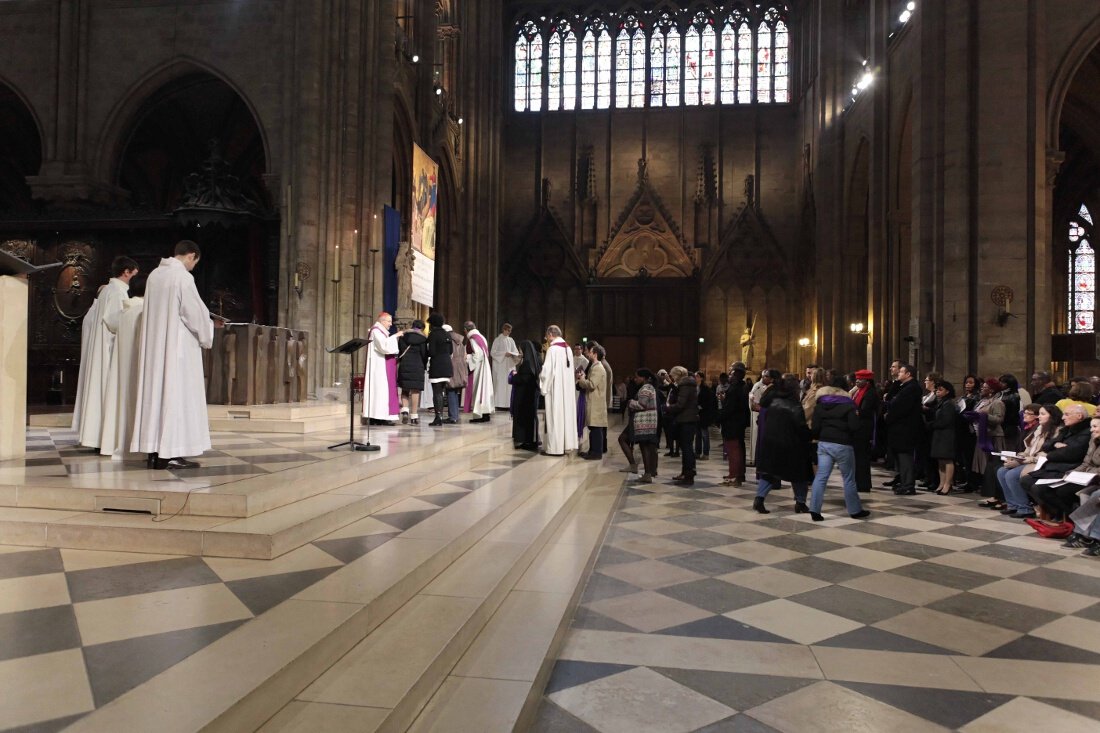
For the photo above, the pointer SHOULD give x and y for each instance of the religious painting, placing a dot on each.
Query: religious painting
(424, 202)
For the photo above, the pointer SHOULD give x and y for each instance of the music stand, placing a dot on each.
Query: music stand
(349, 348)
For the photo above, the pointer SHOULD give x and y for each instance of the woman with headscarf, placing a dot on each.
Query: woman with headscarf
(867, 400)
(525, 398)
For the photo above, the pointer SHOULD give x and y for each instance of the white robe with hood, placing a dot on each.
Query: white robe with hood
(379, 386)
(170, 419)
(505, 357)
(101, 346)
(120, 402)
(481, 375)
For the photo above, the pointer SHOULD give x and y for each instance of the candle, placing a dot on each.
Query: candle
(355, 249)
(336, 270)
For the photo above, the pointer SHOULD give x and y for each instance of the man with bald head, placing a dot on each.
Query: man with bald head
(557, 381)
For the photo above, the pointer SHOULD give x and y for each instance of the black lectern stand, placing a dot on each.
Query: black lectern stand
(12, 265)
(349, 348)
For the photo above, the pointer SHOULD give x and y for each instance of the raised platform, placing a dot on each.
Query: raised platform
(256, 496)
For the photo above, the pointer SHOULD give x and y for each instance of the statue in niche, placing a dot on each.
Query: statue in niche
(748, 341)
(404, 265)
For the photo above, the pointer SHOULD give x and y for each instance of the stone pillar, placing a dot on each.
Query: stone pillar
(13, 367)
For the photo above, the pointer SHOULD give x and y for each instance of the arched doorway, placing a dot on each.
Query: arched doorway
(20, 152)
(194, 155)
(1076, 201)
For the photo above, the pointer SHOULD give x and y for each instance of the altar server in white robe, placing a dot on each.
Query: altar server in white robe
(101, 345)
(120, 402)
(87, 327)
(558, 384)
(170, 423)
(505, 355)
(381, 400)
(479, 393)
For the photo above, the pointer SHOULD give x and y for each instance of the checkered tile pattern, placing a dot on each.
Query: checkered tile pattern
(685, 573)
(105, 622)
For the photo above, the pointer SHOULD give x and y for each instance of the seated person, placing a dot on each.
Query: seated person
(1064, 452)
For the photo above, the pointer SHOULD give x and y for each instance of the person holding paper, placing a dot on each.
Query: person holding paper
(505, 358)
(1063, 452)
(1040, 424)
(381, 400)
(1060, 499)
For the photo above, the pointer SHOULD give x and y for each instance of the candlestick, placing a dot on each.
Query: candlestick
(336, 269)
(355, 249)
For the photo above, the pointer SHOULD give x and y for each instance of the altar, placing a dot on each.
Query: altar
(251, 364)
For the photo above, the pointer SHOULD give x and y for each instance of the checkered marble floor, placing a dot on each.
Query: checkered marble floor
(932, 614)
(79, 628)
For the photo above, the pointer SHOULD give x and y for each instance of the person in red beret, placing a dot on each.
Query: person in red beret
(867, 400)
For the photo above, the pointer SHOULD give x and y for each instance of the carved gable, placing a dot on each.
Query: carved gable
(546, 253)
(645, 240)
(749, 253)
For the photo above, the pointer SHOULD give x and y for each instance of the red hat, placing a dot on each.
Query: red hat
(865, 374)
(994, 384)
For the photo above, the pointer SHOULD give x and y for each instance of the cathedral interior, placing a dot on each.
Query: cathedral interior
(837, 182)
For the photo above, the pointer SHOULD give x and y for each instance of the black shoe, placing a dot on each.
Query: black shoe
(150, 460)
(435, 423)
(905, 492)
(685, 481)
(860, 514)
(758, 505)
(800, 508)
(169, 464)
(449, 421)
(891, 483)
(816, 517)
(1091, 551)
(1075, 541)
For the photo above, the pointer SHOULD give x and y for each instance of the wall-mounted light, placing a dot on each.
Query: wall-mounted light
(857, 328)
(460, 120)
(416, 59)
(438, 91)
(702, 340)
(803, 342)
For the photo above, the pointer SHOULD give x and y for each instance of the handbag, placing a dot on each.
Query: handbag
(1051, 531)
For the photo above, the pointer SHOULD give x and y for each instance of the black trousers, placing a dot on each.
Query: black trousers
(686, 433)
(904, 462)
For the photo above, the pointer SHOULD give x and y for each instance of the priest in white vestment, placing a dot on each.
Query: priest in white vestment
(170, 422)
(479, 391)
(87, 327)
(101, 345)
(558, 384)
(381, 400)
(505, 355)
(120, 402)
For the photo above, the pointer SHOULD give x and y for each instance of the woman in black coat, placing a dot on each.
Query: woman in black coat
(784, 450)
(525, 398)
(867, 400)
(440, 368)
(733, 417)
(942, 444)
(412, 362)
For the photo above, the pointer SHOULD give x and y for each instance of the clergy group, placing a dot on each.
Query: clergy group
(141, 389)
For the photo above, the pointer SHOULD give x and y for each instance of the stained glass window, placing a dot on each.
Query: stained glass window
(588, 71)
(1081, 290)
(782, 63)
(528, 83)
(569, 71)
(553, 72)
(672, 67)
(763, 63)
(709, 62)
(744, 63)
(603, 68)
(657, 69)
(622, 69)
(637, 66)
(692, 65)
(727, 72)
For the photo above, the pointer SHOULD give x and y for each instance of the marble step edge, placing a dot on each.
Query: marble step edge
(255, 708)
(279, 411)
(294, 426)
(206, 536)
(236, 682)
(414, 700)
(517, 697)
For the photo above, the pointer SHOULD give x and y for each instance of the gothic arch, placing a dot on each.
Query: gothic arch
(17, 94)
(1079, 50)
(21, 148)
(125, 116)
(645, 240)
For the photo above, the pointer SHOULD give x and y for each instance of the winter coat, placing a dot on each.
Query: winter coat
(734, 414)
(1060, 460)
(943, 430)
(440, 349)
(868, 411)
(784, 448)
(903, 418)
(834, 416)
(412, 350)
(595, 406)
(460, 373)
(686, 407)
(708, 406)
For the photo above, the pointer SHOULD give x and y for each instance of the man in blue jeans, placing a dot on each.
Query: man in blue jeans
(835, 423)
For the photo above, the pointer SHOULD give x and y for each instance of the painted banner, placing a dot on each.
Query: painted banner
(424, 206)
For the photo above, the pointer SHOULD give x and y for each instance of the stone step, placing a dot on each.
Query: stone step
(236, 683)
(497, 684)
(263, 536)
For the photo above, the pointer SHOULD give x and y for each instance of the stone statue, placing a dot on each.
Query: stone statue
(748, 339)
(230, 342)
(404, 266)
